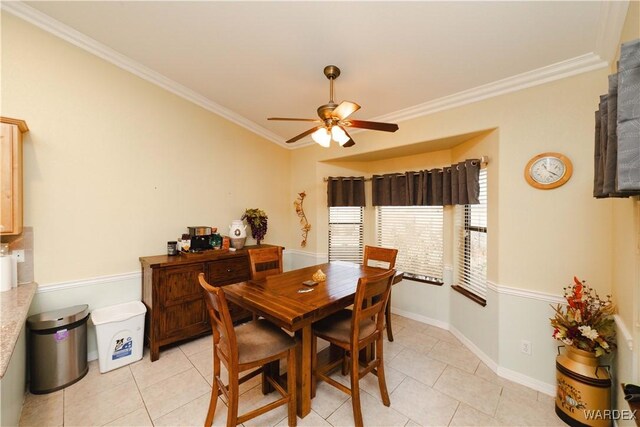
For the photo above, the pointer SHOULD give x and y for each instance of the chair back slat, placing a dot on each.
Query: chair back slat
(380, 257)
(265, 262)
(371, 299)
(224, 336)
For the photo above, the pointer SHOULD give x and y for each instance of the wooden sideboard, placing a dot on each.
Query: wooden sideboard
(176, 309)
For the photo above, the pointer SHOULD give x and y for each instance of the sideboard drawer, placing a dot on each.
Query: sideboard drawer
(226, 271)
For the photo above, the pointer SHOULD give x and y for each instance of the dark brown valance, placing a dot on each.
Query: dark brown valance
(345, 191)
(457, 184)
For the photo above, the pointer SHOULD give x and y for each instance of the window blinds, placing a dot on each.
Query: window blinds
(471, 236)
(417, 233)
(345, 234)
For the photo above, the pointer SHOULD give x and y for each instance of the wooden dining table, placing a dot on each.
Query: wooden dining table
(285, 301)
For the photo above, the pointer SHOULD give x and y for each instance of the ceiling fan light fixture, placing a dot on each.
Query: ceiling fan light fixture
(322, 137)
(338, 134)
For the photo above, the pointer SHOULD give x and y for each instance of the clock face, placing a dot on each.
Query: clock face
(548, 170)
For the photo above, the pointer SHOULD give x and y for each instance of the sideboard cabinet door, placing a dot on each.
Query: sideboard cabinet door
(182, 306)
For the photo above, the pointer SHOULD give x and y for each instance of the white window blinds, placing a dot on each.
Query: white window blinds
(471, 236)
(417, 233)
(345, 234)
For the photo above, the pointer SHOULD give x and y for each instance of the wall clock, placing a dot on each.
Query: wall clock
(548, 170)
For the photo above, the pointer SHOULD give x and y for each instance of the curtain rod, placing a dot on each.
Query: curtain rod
(484, 161)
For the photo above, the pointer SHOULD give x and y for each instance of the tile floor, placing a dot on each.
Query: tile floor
(433, 380)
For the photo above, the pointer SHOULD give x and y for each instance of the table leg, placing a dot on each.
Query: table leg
(303, 377)
(271, 369)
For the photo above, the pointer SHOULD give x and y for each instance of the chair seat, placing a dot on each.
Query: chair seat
(338, 327)
(260, 339)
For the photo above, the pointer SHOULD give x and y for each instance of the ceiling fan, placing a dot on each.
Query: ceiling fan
(333, 119)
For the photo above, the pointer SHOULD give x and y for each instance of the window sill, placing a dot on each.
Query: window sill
(415, 279)
(473, 297)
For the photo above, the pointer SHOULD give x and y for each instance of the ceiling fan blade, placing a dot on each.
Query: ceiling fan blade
(345, 109)
(363, 124)
(350, 142)
(294, 119)
(303, 134)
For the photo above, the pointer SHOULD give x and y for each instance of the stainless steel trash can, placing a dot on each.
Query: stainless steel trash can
(58, 348)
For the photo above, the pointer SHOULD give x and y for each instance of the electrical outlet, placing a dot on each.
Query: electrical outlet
(19, 255)
(525, 347)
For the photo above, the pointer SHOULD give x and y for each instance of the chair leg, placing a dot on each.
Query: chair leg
(232, 414)
(291, 386)
(382, 381)
(214, 391)
(314, 364)
(345, 363)
(355, 389)
(387, 318)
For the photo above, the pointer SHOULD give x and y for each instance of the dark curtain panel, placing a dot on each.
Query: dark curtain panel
(456, 184)
(628, 119)
(611, 160)
(345, 191)
(598, 176)
(617, 130)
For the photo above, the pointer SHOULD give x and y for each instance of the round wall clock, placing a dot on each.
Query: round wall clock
(548, 170)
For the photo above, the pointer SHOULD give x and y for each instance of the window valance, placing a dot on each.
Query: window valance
(457, 184)
(345, 191)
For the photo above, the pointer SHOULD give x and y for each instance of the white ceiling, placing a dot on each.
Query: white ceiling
(253, 60)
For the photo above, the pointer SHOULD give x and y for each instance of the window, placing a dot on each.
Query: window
(417, 233)
(471, 231)
(345, 234)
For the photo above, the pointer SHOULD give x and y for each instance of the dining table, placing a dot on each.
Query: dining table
(284, 300)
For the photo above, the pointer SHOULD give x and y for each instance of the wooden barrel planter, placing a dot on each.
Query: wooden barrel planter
(583, 389)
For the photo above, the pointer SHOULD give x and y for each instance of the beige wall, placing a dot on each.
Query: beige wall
(115, 166)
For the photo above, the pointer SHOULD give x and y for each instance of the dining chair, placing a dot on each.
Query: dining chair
(265, 262)
(256, 344)
(353, 330)
(385, 258)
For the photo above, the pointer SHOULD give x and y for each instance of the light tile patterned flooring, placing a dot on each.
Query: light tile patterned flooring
(433, 380)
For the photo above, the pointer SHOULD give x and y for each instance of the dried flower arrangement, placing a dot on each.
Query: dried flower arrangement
(586, 321)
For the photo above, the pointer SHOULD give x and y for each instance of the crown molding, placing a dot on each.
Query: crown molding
(559, 70)
(57, 28)
(612, 17)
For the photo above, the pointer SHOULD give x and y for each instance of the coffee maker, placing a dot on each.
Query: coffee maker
(200, 238)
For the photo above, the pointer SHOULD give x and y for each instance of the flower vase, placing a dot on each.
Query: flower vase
(583, 388)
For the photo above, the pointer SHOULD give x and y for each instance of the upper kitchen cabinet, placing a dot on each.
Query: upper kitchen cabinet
(11, 131)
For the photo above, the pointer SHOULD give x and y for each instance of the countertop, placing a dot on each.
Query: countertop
(14, 306)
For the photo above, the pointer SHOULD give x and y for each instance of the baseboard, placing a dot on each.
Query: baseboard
(92, 355)
(517, 377)
(508, 374)
(420, 318)
(491, 364)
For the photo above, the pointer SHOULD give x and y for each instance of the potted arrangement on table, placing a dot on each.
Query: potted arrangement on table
(257, 221)
(586, 328)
